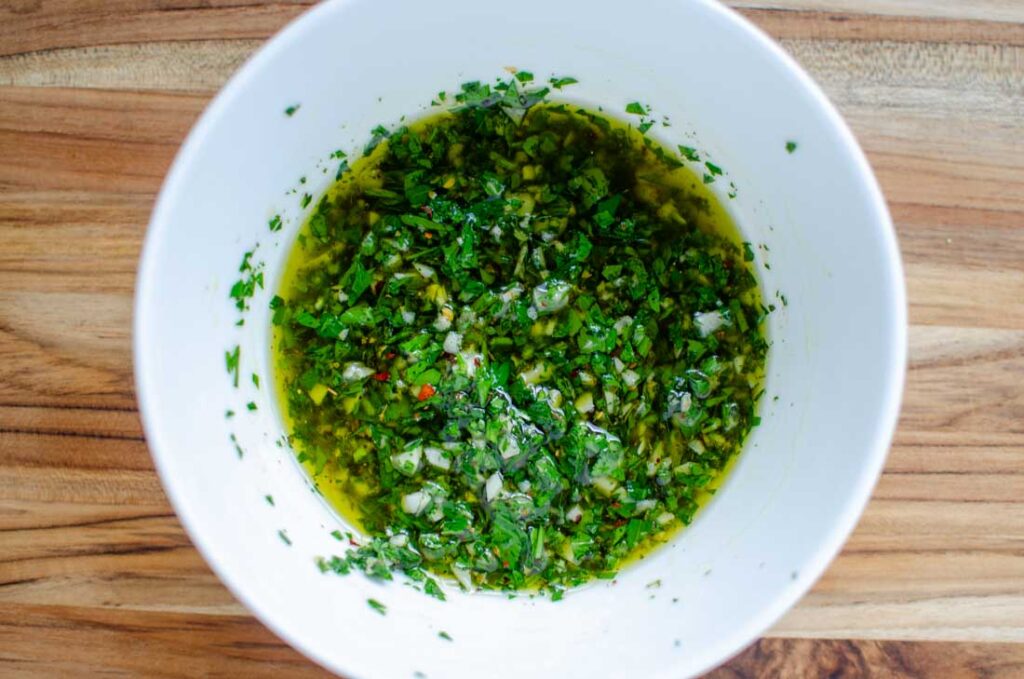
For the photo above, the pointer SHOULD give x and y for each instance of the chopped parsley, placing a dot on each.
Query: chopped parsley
(290, 111)
(377, 606)
(284, 537)
(790, 146)
(246, 286)
(518, 344)
(559, 83)
(232, 359)
(689, 153)
(444, 635)
(238, 448)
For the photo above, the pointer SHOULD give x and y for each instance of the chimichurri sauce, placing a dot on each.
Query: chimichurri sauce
(517, 344)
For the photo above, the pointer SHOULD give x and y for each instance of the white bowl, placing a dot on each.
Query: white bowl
(835, 367)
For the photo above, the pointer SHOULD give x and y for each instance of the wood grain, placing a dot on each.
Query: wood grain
(96, 575)
(855, 659)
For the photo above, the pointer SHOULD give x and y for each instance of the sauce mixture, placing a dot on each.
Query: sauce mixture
(518, 344)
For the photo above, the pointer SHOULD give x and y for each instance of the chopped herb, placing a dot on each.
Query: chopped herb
(431, 587)
(238, 448)
(336, 534)
(251, 405)
(290, 111)
(246, 286)
(559, 83)
(444, 635)
(522, 346)
(284, 537)
(256, 380)
(689, 153)
(306, 198)
(231, 358)
(269, 499)
(790, 146)
(228, 414)
(524, 76)
(275, 223)
(377, 606)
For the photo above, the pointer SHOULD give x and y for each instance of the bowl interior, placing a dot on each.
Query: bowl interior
(829, 264)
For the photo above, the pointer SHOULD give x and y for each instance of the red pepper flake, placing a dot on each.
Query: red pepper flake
(382, 376)
(620, 522)
(476, 362)
(429, 211)
(426, 391)
(504, 564)
(390, 355)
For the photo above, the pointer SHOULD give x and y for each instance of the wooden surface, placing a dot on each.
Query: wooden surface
(96, 574)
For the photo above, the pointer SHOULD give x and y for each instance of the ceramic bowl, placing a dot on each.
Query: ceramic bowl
(829, 263)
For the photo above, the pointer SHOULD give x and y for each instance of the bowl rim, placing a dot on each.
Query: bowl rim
(860, 491)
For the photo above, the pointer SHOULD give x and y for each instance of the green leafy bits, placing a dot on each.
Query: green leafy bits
(518, 344)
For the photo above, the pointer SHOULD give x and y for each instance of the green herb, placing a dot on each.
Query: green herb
(521, 345)
(524, 76)
(306, 198)
(275, 223)
(377, 606)
(290, 111)
(336, 534)
(246, 286)
(559, 83)
(269, 499)
(228, 414)
(431, 587)
(231, 359)
(444, 635)
(689, 153)
(790, 146)
(251, 405)
(284, 537)
(256, 380)
(636, 108)
(238, 448)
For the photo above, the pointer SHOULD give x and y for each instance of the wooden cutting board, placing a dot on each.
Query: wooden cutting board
(96, 574)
